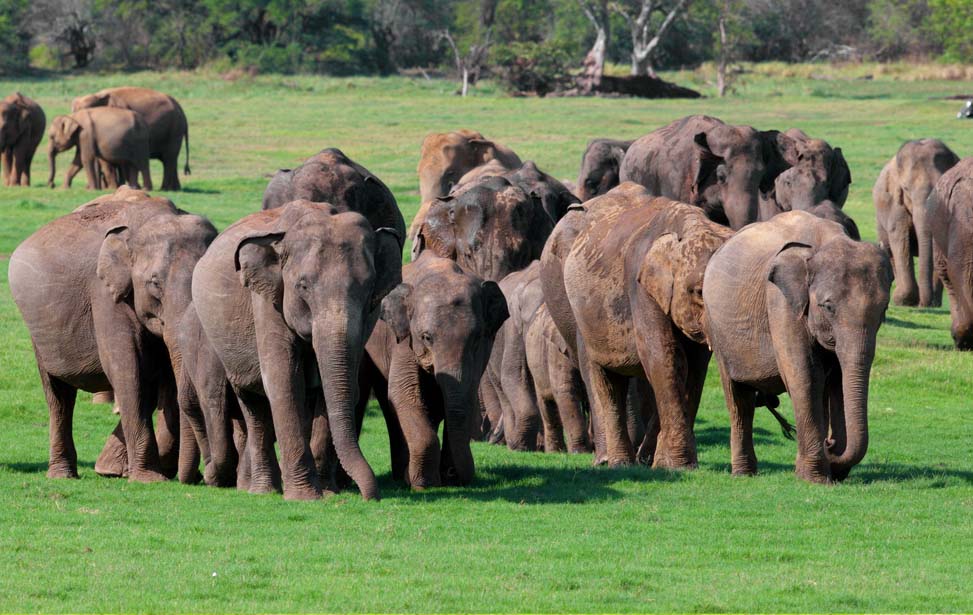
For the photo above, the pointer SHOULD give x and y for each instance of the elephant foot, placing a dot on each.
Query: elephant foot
(666, 458)
(218, 479)
(62, 471)
(261, 488)
(813, 470)
(190, 477)
(146, 476)
(621, 463)
(905, 298)
(303, 493)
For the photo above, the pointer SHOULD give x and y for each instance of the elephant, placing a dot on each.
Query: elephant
(793, 304)
(600, 165)
(424, 361)
(331, 177)
(949, 220)
(164, 117)
(492, 229)
(445, 158)
(116, 136)
(826, 164)
(287, 298)
(634, 281)
(22, 123)
(902, 213)
(117, 275)
(552, 195)
(799, 188)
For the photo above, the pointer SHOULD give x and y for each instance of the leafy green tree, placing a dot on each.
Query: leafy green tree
(14, 36)
(951, 22)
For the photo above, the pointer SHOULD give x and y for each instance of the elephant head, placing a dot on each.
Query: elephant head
(326, 273)
(554, 197)
(492, 229)
(841, 291)
(14, 122)
(455, 355)
(446, 157)
(62, 136)
(600, 166)
(826, 164)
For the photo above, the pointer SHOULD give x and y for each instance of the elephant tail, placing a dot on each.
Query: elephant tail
(771, 402)
(185, 169)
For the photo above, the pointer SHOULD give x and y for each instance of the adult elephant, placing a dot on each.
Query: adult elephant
(600, 167)
(795, 304)
(445, 158)
(424, 362)
(951, 224)
(902, 210)
(286, 296)
(22, 124)
(103, 135)
(331, 177)
(551, 194)
(634, 281)
(116, 276)
(492, 229)
(164, 117)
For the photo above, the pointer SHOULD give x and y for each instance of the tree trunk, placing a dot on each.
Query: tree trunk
(721, 67)
(594, 63)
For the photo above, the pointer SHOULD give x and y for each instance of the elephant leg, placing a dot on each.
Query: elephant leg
(553, 428)
(6, 161)
(25, 172)
(73, 169)
(398, 448)
(740, 404)
(240, 443)
(143, 168)
(170, 170)
(113, 459)
(646, 451)
(405, 395)
(189, 453)
(638, 391)
(608, 392)
(493, 410)
(924, 240)
(899, 228)
(322, 447)
(568, 391)
(167, 425)
(63, 460)
(518, 386)
(596, 430)
(192, 432)
(264, 470)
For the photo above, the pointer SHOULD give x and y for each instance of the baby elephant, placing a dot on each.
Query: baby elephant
(428, 353)
(118, 137)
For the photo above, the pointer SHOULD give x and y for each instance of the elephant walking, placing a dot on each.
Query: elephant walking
(102, 135)
(22, 124)
(951, 226)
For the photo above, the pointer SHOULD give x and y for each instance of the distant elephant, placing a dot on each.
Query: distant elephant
(424, 362)
(799, 188)
(552, 195)
(951, 225)
(794, 304)
(561, 395)
(600, 167)
(286, 296)
(164, 117)
(116, 136)
(447, 157)
(492, 229)
(116, 276)
(634, 281)
(826, 164)
(22, 124)
(902, 212)
(331, 177)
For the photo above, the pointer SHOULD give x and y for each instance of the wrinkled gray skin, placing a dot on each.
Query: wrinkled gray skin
(554, 197)
(331, 177)
(797, 188)
(492, 229)
(22, 124)
(794, 300)
(600, 167)
(902, 211)
(951, 225)
(424, 362)
(117, 276)
(117, 137)
(288, 297)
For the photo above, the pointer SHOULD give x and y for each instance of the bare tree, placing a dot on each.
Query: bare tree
(645, 37)
(721, 64)
(67, 25)
(594, 62)
(469, 65)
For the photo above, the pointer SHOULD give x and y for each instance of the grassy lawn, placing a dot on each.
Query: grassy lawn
(535, 532)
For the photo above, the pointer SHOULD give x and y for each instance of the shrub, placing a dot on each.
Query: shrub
(538, 68)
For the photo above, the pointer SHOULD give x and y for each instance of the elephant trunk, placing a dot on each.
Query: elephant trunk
(51, 157)
(338, 345)
(458, 402)
(855, 353)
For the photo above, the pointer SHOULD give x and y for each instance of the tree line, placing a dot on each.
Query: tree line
(529, 40)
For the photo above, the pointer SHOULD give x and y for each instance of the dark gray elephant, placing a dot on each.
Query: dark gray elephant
(117, 276)
(600, 167)
(795, 304)
(424, 362)
(951, 226)
(287, 296)
(902, 212)
(22, 124)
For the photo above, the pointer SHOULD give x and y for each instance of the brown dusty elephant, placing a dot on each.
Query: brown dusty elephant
(826, 164)
(600, 167)
(331, 177)
(902, 212)
(950, 217)
(117, 274)
(22, 123)
(634, 280)
(800, 188)
(115, 136)
(795, 304)
(445, 158)
(492, 229)
(424, 362)
(287, 296)
(164, 117)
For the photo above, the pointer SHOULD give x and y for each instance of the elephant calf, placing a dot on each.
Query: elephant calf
(117, 137)
(22, 124)
(424, 363)
(795, 304)
(600, 166)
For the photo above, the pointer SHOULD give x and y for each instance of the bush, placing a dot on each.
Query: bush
(45, 58)
(536, 68)
(267, 58)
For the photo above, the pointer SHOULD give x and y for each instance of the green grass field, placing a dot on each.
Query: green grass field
(535, 532)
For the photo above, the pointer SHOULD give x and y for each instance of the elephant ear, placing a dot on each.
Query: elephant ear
(780, 152)
(495, 310)
(396, 311)
(68, 126)
(436, 233)
(656, 275)
(789, 273)
(706, 163)
(258, 261)
(388, 264)
(115, 263)
(840, 178)
(484, 150)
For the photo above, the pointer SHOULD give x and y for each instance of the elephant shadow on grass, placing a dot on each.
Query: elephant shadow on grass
(40, 467)
(196, 190)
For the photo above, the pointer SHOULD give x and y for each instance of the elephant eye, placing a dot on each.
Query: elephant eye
(827, 306)
(302, 285)
(721, 174)
(426, 338)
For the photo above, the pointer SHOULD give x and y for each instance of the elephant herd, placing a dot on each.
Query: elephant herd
(532, 314)
(113, 133)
